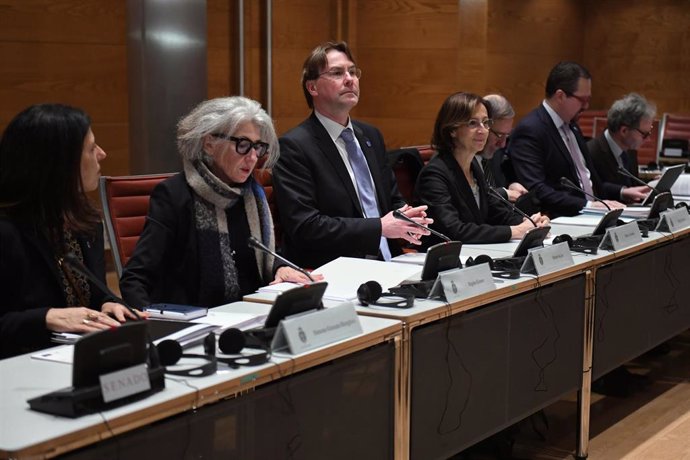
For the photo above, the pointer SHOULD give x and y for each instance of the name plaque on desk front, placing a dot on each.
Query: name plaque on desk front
(621, 237)
(124, 382)
(673, 221)
(461, 283)
(548, 259)
(315, 329)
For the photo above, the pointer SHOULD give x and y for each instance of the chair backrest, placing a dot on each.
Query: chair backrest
(125, 201)
(426, 151)
(673, 126)
(406, 164)
(586, 122)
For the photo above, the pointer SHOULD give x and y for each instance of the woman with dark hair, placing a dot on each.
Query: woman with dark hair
(49, 161)
(193, 249)
(452, 184)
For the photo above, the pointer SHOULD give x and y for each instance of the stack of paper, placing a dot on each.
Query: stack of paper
(345, 274)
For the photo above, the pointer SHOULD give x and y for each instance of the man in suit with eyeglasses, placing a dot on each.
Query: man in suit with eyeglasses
(629, 123)
(334, 189)
(547, 145)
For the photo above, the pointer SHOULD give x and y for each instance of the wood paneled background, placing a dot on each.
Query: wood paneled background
(413, 54)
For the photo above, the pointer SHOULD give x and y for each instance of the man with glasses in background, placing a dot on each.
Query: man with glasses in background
(334, 189)
(547, 145)
(630, 122)
(495, 164)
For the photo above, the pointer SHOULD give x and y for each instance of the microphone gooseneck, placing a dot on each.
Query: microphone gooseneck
(624, 172)
(256, 244)
(400, 215)
(512, 206)
(567, 183)
(73, 261)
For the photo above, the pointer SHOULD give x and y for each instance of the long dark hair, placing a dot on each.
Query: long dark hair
(40, 171)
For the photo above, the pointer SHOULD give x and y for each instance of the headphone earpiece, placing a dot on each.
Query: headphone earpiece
(170, 352)
(232, 341)
(370, 292)
(508, 268)
(564, 238)
(583, 245)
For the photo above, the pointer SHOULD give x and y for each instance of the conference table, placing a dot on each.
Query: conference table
(302, 406)
(474, 367)
(421, 383)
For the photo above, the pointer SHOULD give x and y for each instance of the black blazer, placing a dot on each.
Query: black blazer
(607, 166)
(31, 285)
(540, 158)
(320, 213)
(443, 187)
(165, 265)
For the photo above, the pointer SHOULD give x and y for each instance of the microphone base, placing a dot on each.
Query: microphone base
(75, 402)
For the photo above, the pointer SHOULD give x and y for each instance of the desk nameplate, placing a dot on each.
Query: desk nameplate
(673, 221)
(548, 259)
(621, 237)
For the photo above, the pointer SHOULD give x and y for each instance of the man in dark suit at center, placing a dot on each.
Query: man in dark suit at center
(547, 145)
(629, 123)
(334, 190)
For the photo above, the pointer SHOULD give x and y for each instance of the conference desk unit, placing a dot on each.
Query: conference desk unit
(476, 366)
(337, 401)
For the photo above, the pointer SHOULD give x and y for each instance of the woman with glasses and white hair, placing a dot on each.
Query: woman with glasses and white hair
(452, 184)
(193, 249)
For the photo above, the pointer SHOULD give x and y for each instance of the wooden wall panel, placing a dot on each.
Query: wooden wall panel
(408, 52)
(639, 46)
(221, 56)
(525, 40)
(298, 26)
(72, 52)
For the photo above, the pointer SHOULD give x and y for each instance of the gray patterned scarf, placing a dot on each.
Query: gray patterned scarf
(212, 199)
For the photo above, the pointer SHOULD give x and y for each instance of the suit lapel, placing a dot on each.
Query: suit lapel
(462, 186)
(330, 152)
(557, 140)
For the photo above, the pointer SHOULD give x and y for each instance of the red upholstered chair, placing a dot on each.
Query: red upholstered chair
(125, 201)
(406, 164)
(586, 122)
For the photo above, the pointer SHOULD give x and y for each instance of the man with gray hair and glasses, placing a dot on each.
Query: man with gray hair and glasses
(495, 163)
(630, 122)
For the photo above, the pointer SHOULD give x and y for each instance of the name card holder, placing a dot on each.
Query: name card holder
(673, 221)
(125, 382)
(304, 332)
(462, 283)
(621, 237)
(548, 259)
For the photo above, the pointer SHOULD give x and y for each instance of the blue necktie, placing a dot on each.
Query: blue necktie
(365, 185)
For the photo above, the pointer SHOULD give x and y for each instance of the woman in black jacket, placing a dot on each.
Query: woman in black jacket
(49, 160)
(452, 184)
(193, 249)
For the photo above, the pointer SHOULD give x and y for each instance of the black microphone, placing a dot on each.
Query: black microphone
(567, 183)
(512, 206)
(624, 172)
(400, 215)
(256, 244)
(74, 262)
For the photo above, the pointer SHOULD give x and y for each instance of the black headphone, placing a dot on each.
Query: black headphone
(370, 292)
(231, 341)
(583, 245)
(507, 268)
(170, 352)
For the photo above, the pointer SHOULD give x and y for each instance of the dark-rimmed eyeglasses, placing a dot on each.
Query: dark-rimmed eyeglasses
(474, 123)
(499, 136)
(338, 73)
(644, 134)
(243, 145)
(583, 99)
